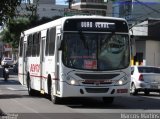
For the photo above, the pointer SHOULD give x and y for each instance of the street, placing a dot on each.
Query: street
(14, 99)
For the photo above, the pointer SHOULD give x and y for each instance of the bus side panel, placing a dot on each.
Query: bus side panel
(22, 63)
(20, 70)
(33, 67)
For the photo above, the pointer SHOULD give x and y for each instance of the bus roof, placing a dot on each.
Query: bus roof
(60, 21)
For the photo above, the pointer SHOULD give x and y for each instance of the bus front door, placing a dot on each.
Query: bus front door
(24, 65)
(42, 68)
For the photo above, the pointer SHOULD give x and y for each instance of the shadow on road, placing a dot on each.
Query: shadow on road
(11, 96)
(151, 94)
(9, 82)
(89, 103)
(132, 102)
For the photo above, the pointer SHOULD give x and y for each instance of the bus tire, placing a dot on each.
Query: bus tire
(54, 99)
(30, 90)
(133, 89)
(146, 92)
(108, 100)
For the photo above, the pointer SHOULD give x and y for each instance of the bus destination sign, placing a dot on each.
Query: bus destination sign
(96, 25)
(101, 25)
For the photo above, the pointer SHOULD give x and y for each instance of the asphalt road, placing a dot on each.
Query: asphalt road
(16, 104)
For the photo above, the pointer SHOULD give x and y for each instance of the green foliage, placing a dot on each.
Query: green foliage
(15, 24)
(8, 9)
(12, 33)
(14, 28)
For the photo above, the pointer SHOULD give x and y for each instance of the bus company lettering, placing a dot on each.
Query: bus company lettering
(35, 68)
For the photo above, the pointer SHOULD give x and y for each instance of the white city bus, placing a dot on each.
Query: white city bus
(77, 56)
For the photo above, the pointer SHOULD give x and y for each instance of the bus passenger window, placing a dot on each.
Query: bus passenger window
(52, 41)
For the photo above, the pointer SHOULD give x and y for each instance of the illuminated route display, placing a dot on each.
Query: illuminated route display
(101, 25)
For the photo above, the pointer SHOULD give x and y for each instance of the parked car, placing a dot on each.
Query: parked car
(7, 60)
(145, 78)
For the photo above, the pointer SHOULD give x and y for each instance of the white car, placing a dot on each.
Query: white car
(145, 78)
(7, 60)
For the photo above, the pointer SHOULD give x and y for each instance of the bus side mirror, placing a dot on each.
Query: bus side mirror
(133, 46)
(61, 44)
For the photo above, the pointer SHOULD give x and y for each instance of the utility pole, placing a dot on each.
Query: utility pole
(69, 3)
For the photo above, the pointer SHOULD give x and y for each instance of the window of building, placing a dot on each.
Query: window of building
(26, 1)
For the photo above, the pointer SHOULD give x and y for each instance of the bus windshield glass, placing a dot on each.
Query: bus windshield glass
(95, 51)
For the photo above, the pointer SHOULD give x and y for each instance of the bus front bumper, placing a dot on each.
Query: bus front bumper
(67, 90)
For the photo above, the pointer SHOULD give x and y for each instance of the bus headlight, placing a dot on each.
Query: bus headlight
(122, 81)
(72, 81)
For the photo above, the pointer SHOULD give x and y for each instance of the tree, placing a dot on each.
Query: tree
(12, 33)
(8, 9)
(32, 8)
(15, 24)
(70, 3)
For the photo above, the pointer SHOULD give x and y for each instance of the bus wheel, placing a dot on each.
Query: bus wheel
(146, 92)
(54, 98)
(133, 89)
(108, 100)
(30, 90)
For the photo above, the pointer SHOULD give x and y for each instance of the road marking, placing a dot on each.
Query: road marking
(14, 89)
(25, 106)
(1, 92)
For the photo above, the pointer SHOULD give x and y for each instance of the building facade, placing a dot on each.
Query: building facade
(45, 1)
(39, 1)
(94, 7)
(147, 39)
(45, 8)
(143, 17)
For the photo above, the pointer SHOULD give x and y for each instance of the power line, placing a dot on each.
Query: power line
(147, 6)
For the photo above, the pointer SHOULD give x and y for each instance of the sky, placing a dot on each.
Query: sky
(61, 2)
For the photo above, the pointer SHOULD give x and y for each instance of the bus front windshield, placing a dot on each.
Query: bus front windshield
(95, 51)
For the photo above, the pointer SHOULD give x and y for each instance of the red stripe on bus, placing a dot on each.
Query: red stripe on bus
(39, 76)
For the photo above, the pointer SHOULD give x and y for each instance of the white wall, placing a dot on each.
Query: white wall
(153, 53)
(141, 29)
(141, 48)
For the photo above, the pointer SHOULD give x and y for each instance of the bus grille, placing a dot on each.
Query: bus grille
(97, 76)
(97, 90)
(97, 82)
